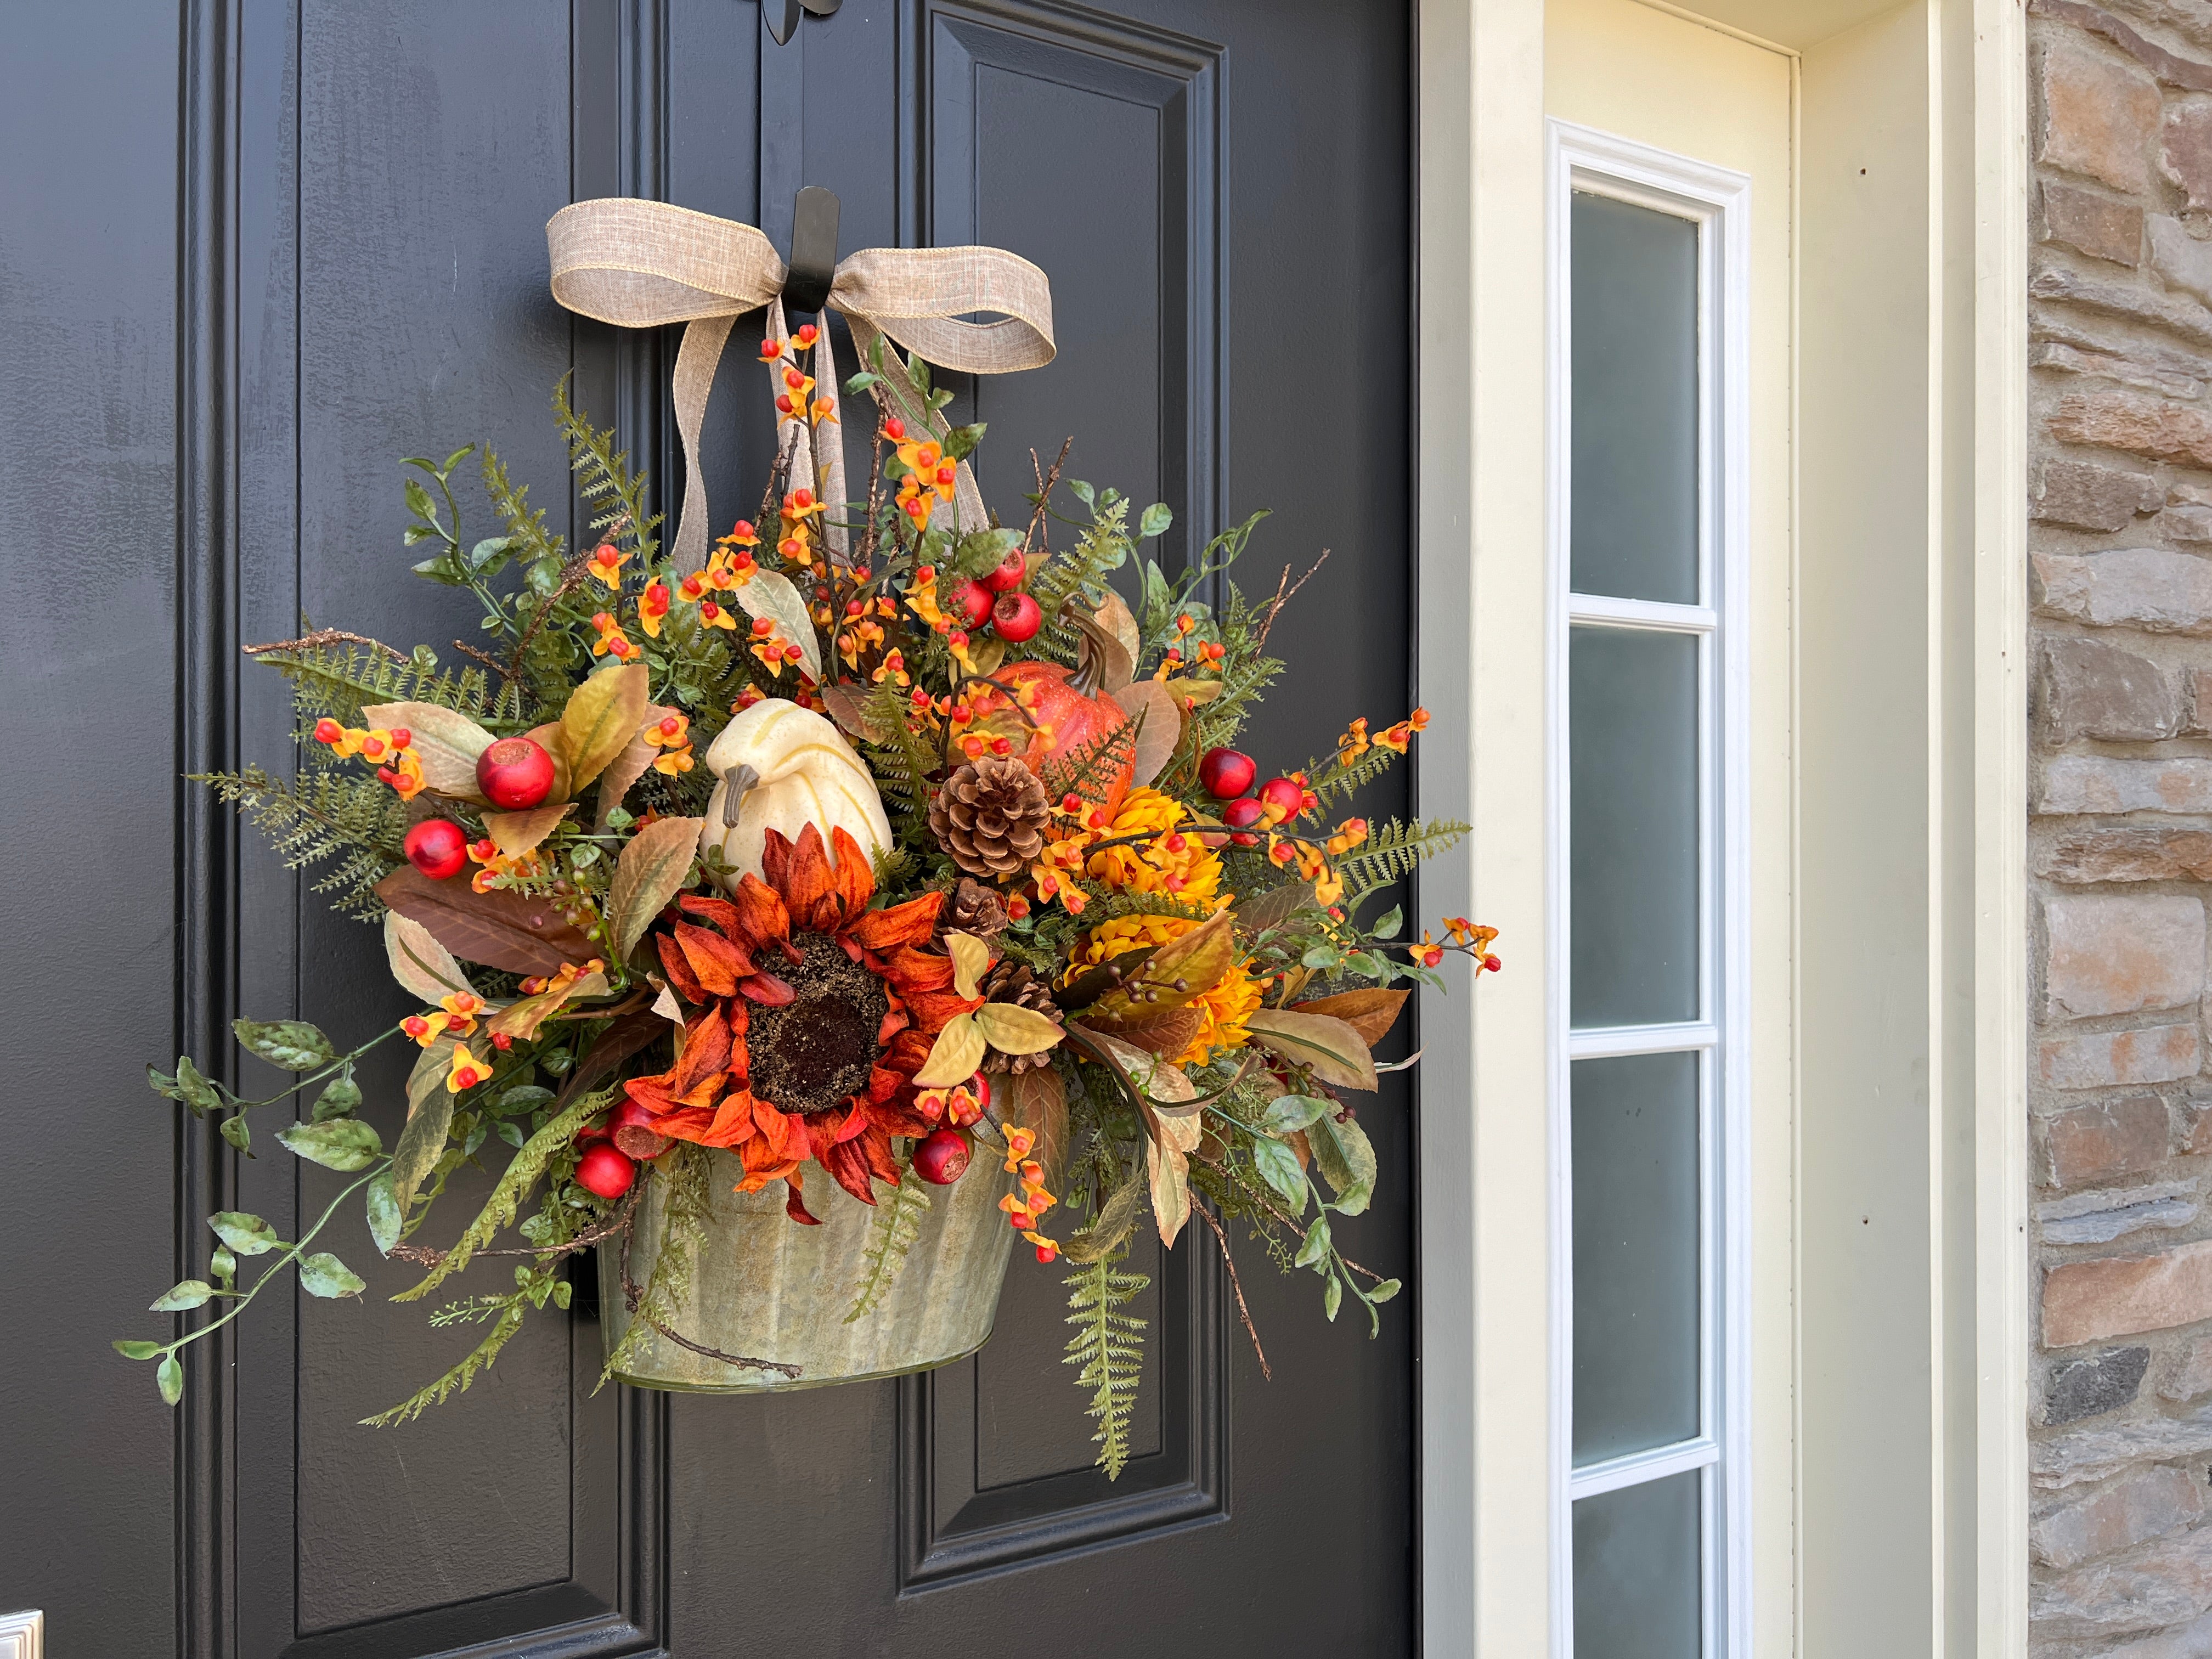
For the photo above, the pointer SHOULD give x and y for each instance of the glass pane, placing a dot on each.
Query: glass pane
(1635, 1174)
(1636, 1571)
(1634, 395)
(1632, 732)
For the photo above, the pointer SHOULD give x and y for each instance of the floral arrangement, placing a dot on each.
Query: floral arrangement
(868, 854)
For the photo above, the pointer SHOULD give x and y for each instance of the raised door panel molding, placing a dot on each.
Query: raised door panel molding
(23, 1635)
(1091, 145)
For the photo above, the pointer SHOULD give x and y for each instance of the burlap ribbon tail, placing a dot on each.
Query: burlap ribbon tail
(641, 263)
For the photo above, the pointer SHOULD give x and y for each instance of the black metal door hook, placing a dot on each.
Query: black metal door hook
(783, 15)
(813, 251)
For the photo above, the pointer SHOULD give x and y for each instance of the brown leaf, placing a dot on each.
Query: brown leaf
(1371, 1011)
(501, 930)
(1190, 694)
(521, 1019)
(419, 963)
(1167, 1159)
(627, 1036)
(1163, 1031)
(1112, 615)
(1037, 1099)
(1179, 970)
(848, 706)
(635, 760)
(517, 833)
(1335, 1053)
(1272, 908)
(1092, 984)
(429, 1118)
(954, 1056)
(652, 868)
(1160, 727)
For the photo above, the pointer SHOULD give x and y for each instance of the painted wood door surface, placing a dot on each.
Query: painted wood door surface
(252, 252)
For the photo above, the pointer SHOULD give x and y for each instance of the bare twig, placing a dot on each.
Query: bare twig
(616, 1223)
(571, 573)
(1046, 481)
(1235, 1285)
(1286, 590)
(634, 1293)
(484, 657)
(327, 636)
(1301, 1231)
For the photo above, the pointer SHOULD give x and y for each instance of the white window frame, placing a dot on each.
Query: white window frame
(1718, 201)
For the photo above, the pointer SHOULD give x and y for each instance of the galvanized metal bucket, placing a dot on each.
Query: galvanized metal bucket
(765, 1287)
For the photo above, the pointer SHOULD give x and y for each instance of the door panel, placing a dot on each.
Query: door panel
(370, 282)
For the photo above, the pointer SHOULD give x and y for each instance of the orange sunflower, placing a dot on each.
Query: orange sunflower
(813, 1014)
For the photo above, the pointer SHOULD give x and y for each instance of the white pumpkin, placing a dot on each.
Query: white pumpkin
(802, 772)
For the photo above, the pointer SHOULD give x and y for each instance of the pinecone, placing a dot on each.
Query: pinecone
(990, 815)
(974, 909)
(1013, 981)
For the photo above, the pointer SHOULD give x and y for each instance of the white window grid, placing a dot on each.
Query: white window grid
(1582, 159)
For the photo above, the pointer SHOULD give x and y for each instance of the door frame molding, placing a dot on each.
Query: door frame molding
(1480, 475)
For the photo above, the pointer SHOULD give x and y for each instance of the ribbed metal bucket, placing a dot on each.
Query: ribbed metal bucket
(768, 1288)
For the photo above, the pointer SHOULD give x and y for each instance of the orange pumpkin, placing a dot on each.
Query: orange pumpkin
(1072, 713)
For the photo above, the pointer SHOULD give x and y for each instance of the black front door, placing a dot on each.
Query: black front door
(251, 251)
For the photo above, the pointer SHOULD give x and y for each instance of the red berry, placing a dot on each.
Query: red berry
(603, 1171)
(1010, 574)
(941, 1159)
(1286, 797)
(438, 848)
(515, 773)
(328, 731)
(1240, 813)
(973, 601)
(1226, 774)
(1016, 618)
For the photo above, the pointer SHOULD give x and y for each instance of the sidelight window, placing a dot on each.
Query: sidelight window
(1647, 734)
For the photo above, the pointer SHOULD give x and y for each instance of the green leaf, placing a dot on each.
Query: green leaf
(486, 558)
(859, 383)
(170, 1379)
(429, 1120)
(134, 1350)
(1291, 1112)
(187, 1086)
(1156, 519)
(523, 1098)
(191, 1293)
(960, 442)
(291, 1043)
(1332, 1297)
(1082, 491)
(1385, 1290)
(419, 503)
(344, 1143)
(249, 1235)
(1322, 956)
(456, 458)
(1347, 1158)
(1386, 925)
(1278, 1166)
(236, 1131)
(384, 1218)
(341, 1098)
(1316, 1249)
(324, 1274)
(222, 1267)
(562, 1293)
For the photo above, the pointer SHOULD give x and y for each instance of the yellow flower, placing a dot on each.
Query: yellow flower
(652, 606)
(461, 1010)
(606, 563)
(1223, 1008)
(467, 1070)
(612, 641)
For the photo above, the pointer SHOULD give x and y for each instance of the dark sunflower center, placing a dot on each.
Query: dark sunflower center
(816, 1051)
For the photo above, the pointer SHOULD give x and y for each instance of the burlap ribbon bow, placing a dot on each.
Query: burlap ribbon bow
(641, 264)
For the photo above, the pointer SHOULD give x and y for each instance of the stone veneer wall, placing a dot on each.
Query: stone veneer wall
(2120, 111)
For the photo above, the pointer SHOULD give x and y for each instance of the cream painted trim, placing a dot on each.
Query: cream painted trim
(22, 1635)
(2002, 1280)
(1485, 1279)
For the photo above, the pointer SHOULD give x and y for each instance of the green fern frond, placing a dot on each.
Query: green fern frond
(321, 815)
(1092, 770)
(1103, 547)
(686, 1205)
(1109, 1346)
(1107, 904)
(525, 527)
(1391, 852)
(1333, 786)
(896, 1226)
(338, 678)
(511, 1309)
(616, 494)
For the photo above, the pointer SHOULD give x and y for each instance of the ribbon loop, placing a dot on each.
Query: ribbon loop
(639, 263)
